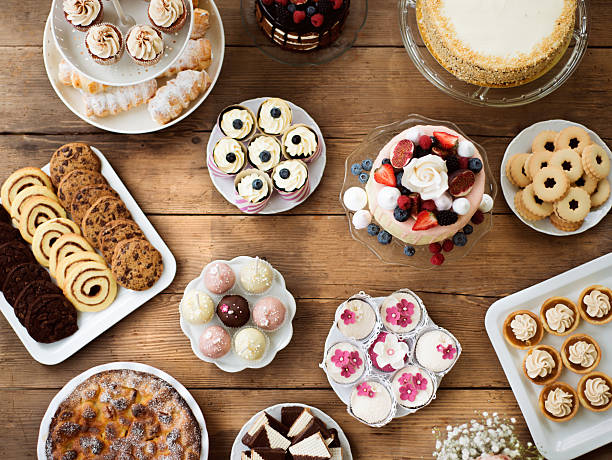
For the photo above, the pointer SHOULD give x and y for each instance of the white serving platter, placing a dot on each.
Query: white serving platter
(137, 120)
(71, 44)
(275, 411)
(522, 144)
(92, 324)
(278, 339)
(225, 185)
(587, 430)
(43, 432)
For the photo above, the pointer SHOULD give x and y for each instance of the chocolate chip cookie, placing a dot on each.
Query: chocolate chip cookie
(29, 294)
(86, 197)
(115, 232)
(103, 211)
(137, 264)
(19, 277)
(74, 181)
(11, 254)
(75, 155)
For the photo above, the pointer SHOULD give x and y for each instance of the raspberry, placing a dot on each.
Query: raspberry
(425, 142)
(337, 3)
(317, 20)
(448, 246)
(429, 205)
(298, 16)
(404, 202)
(435, 248)
(437, 259)
(447, 217)
(478, 217)
(463, 162)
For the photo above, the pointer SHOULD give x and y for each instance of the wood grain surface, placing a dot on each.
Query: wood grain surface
(373, 84)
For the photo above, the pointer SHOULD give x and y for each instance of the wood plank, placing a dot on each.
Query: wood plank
(387, 87)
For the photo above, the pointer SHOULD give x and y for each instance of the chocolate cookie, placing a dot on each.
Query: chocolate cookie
(8, 232)
(86, 197)
(116, 231)
(19, 277)
(51, 318)
(29, 294)
(11, 254)
(137, 264)
(75, 155)
(74, 181)
(103, 211)
(4, 216)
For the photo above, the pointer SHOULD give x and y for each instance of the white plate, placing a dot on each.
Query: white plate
(587, 430)
(522, 144)
(71, 44)
(43, 432)
(137, 120)
(92, 324)
(225, 185)
(275, 411)
(278, 339)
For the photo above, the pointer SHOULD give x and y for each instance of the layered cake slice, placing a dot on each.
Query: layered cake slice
(311, 448)
(267, 436)
(300, 423)
(267, 454)
(290, 414)
(334, 446)
(262, 420)
(314, 426)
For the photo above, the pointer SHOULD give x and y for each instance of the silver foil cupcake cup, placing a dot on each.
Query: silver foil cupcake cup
(384, 383)
(361, 296)
(430, 328)
(366, 362)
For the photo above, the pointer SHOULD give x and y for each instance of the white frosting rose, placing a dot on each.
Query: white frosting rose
(391, 352)
(220, 155)
(248, 192)
(582, 353)
(165, 13)
(559, 403)
(598, 304)
(144, 43)
(539, 363)
(103, 41)
(597, 392)
(81, 12)
(427, 176)
(560, 318)
(524, 327)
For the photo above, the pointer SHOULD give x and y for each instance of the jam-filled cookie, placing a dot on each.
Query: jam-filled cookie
(596, 161)
(534, 204)
(569, 161)
(588, 183)
(537, 162)
(602, 192)
(550, 184)
(573, 137)
(522, 210)
(564, 225)
(515, 170)
(575, 206)
(544, 142)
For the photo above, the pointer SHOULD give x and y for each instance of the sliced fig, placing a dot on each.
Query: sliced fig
(460, 182)
(441, 152)
(415, 204)
(402, 153)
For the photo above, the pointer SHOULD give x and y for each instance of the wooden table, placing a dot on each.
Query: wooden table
(373, 84)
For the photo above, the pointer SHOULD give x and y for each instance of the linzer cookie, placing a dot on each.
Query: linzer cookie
(564, 225)
(105, 210)
(19, 277)
(74, 181)
(537, 161)
(601, 193)
(51, 318)
(544, 142)
(19, 180)
(116, 231)
(572, 137)
(515, 170)
(596, 161)
(12, 254)
(550, 184)
(75, 155)
(137, 264)
(47, 234)
(86, 197)
(575, 206)
(29, 294)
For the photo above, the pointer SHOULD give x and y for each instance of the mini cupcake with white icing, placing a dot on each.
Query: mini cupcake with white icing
(388, 352)
(169, 16)
(345, 363)
(291, 180)
(82, 14)
(436, 350)
(237, 122)
(413, 387)
(301, 142)
(227, 159)
(104, 43)
(145, 45)
(372, 403)
(264, 152)
(356, 319)
(274, 116)
(253, 190)
(401, 312)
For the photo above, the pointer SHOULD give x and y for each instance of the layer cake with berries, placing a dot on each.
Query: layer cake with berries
(302, 25)
(428, 182)
(497, 43)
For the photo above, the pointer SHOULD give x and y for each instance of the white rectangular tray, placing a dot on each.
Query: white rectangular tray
(92, 324)
(587, 430)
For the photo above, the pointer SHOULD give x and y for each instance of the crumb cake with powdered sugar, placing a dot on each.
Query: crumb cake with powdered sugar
(122, 413)
(497, 43)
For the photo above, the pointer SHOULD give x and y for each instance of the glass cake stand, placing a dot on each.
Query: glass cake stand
(492, 97)
(393, 253)
(353, 25)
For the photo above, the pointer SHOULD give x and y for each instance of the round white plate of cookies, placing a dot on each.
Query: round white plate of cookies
(521, 174)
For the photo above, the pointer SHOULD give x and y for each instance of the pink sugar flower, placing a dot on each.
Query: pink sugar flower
(420, 382)
(447, 352)
(404, 321)
(348, 316)
(347, 370)
(393, 315)
(405, 308)
(340, 358)
(355, 359)
(364, 389)
(405, 378)
(408, 392)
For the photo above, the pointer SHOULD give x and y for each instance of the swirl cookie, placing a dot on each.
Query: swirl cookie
(116, 231)
(515, 170)
(75, 155)
(66, 245)
(19, 180)
(596, 161)
(137, 265)
(71, 261)
(544, 142)
(19, 277)
(550, 184)
(574, 138)
(90, 286)
(30, 293)
(534, 204)
(601, 194)
(74, 181)
(47, 234)
(51, 318)
(537, 161)
(569, 161)
(86, 197)
(564, 225)
(35, 190)
(586, 182)
(575, 206)
(35, 211)
(105, 210)
(11, 254)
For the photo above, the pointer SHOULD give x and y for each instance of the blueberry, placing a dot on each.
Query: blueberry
(475, 165)
(356, 169)
(401, 215)
(257, 184)
(367, 164)
(275, 112)
(373, 229)
(409, 250)
(230, 157)
(468, 229)
(398, 177)
(460, 239)
(265, 156)
(237, 124)
(384, 237)
(291, 7)
(296, 139)
(386, 161)
(284, 173)
(363, 177)
(311, 10)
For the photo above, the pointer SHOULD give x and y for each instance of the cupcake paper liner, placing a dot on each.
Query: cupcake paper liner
(142, 62)
(245, 205)
(254, 129)
(214, 169)
(295, 195)
(307, 159)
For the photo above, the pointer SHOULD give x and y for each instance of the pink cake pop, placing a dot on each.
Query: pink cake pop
(269, 313)
(219, 278)
(215, 342)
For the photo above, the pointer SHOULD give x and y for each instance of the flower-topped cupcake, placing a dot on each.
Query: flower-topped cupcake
(253, 190)
(301, 142)
(413, 387)
(228, 158)
(274, 116)
(237, 122)
(436, 350)
(357, 319)
(345, 363)
(388, 353)
(264, 152)
(83, 14)
(168, 15)
(401, 312)
(371, 402)
(104, 42)
(145, 45)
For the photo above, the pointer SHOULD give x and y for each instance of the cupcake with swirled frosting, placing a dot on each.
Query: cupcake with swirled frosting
(264, 152)
(300, 143)
(105, 45)
(274, 116)
(253, 189)
(145, 45)
(523, 329)
(559, 316)
(83, 14)
(228, 157)
(169, 16)
(237, 122)
(291, 179)
(542, 364)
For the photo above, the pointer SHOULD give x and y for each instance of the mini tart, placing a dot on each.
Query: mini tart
(108, 28)
(87, 4)
(237, 122)
(565, 353)
(566, 388)
(582, 391)
(147, 34)
(582, 307)
(176, 25)
(556, 371)
(523, 344)
(551, 303)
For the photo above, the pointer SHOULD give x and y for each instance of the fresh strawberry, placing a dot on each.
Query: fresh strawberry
(437, 259)
(448, 245)
(441, 152)
(429, 205)
(425, 220)
(298, 16)
(463, 162)
(434, 248)
(404, 202)
(415, 204)
(445, 140)
(425, 142)
(402, 153)
(385, 175)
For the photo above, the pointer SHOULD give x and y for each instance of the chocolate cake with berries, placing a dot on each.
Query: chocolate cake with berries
(302, 25)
